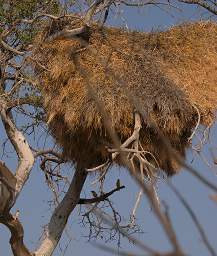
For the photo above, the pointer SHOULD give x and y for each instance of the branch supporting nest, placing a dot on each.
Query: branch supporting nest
(136, 153)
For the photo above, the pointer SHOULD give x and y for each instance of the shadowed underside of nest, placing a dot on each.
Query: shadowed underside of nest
(165, 76)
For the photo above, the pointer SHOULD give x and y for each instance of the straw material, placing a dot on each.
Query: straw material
(166, 76)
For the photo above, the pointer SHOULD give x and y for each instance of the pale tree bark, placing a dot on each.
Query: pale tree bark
(13, 184)
(61, 214)
(24, 153)
(21, 146)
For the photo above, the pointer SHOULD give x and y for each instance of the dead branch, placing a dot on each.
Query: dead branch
(133, 214)
(105, 218)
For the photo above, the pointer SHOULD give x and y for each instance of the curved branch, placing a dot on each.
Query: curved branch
(20, 144)
(17, 233)
(7, 189)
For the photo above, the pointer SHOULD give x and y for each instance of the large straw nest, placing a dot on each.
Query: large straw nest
(167, 74)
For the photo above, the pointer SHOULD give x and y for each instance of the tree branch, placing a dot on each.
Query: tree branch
(209, 6)
(24, 153)
(60, 215)
(7, 189)
(100, 198)
(17, 233)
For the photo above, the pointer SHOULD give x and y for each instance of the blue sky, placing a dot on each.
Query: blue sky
(33, 202)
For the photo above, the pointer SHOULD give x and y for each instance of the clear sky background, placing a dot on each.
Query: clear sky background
(33, 203)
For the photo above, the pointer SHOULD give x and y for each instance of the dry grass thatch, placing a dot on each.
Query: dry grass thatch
(168, 73)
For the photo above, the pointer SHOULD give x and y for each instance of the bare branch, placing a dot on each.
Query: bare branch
(97, 168)
(91, 11)
(7, 189)
(105, 218)
(60, 215)
(100, 198)
(66, 33)
(17, 233)
(20, 144)
(46, 15)
(210, 6)
(43, 152)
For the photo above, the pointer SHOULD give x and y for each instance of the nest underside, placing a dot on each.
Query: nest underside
(168, 77)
